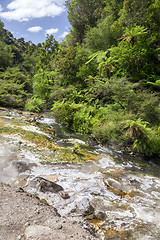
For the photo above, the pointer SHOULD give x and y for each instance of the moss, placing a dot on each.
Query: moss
(111, 233)
(37, 138)
(44, 202)
(141, 163)
(113, 174)
(64, 155)
(46, 148)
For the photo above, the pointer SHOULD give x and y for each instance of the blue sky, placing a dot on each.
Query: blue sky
(33, 19)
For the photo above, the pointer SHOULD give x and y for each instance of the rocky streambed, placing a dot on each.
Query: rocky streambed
(111, 195)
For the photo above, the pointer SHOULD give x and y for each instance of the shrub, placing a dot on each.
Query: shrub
(63, 112)
(144, 139)
(80, 117)
(34, 105)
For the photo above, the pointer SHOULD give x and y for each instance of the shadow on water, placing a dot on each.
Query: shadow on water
(139, 164)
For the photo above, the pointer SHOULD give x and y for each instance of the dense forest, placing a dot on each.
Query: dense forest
(103, 79)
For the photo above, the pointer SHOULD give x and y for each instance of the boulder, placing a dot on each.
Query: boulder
(49, 186)
(114, 183)
(85, 208)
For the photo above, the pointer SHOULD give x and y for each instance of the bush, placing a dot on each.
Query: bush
(63, 112)
(87, 117)
(110, 129)
(80, 117)
(14, 88)
(144, 139)
(34, 105)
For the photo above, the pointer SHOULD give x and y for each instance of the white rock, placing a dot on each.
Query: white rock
(38, 232)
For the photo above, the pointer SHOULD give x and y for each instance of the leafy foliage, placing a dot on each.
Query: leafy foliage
(101, 37)
(6, 56)
(144, 140)
(34, 105)
(83, 13)
(14, 88)
(48, 51)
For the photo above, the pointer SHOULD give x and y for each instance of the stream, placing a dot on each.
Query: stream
(113, 195)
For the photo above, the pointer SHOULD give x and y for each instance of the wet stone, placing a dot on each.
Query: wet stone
(64, 194)
(21, 180)
(95, 193)
(85, 207)
(115, 188)
(114, 183)
(52, 178)
(48, 186)
(100, 215)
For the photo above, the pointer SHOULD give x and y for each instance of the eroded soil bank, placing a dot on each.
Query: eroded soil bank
(20, 211)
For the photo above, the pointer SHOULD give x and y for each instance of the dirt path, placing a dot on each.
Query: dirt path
(23, 216)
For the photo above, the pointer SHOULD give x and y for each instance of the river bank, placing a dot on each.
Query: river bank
(111, 196)
(21, 212)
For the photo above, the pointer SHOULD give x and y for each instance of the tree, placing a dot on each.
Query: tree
(112, 8)
(101, 37)
(130, 35)
(134, 12)
(2, 31)
(104, 61)
(70, 64)
(6, 56)
(42, 85)
(48, 51)
(15, 87)
(83, 14)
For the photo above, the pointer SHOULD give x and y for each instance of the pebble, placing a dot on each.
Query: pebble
(19, 237)
(59, 226)
(64, 195)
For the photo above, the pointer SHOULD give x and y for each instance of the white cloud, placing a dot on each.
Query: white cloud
(51, 31)
(64, 35)
(35, 29)
(1, 9)
(25, 10)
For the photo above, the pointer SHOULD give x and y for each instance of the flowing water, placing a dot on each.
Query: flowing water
(114, 196)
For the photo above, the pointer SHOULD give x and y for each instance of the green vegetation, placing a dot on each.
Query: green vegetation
(103, 79)
(40, 144)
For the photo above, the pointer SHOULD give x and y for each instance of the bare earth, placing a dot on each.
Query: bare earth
(23, 216)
